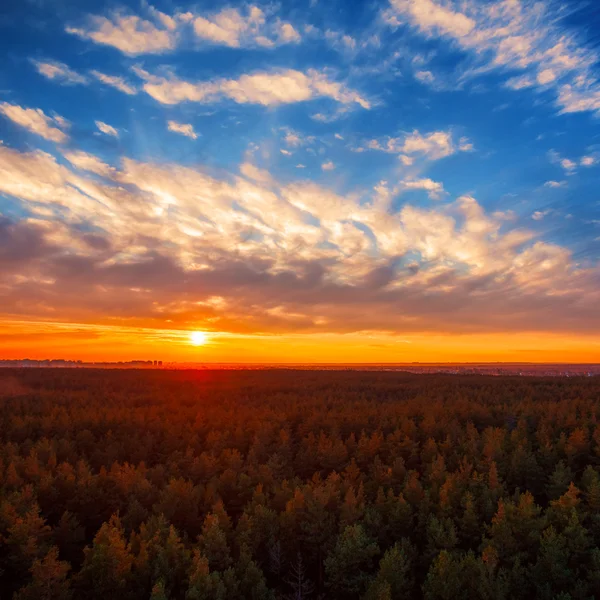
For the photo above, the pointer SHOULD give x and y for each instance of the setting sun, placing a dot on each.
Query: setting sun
(198, 338)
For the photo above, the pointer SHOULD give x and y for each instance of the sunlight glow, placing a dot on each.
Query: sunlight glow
(198, 338)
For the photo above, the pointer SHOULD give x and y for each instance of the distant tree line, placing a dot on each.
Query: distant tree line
(150, 485)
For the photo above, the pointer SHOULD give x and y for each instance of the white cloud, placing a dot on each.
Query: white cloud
(295, 139)
(186, 129)
(434, 189)
(431, 17)
(521, 82)
(465, 145)
(117, 82)
(131, 34)
(555, 184)
(568, 165)
(285, 152)
(573, 98)
(250, 27)
(266, 88)
(60, 72)
(89, 162)
(588, 161)
(230, 27)
(107, 129)
(252, 172)
(287, 34)
(509, 35)
(424, 76)
(538, 215)
(546, 76)
(36, 121)
(504, 215)
(328, 166)
(433, 145)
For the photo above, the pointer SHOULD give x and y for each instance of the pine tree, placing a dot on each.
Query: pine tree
(48, 579)
(348, 565)
(213, 544)
(395, 573)
(107, 564)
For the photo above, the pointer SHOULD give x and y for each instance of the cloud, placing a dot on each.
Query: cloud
(328, 166)
(569, 165)
(252, 172)
(266, 88)
(580, 97)
(431, 17)
(538, 215)
(89, 162)
(504, 215)
(131, 34)
(186, 129)
(230, 27)
(433, 188)
(432, 146)
(295, 139)
(107, 129)
(287, 33)
(250, 27)
(521, 82)
(589, 161)
(59, 71)
(555, 184)
(424, 76)
(508, 36)
(168, 240)
(117, 82)
(34, 120)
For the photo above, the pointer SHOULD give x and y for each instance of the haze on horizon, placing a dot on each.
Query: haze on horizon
(406, 180)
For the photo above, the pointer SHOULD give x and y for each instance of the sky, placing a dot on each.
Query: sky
(303, 181)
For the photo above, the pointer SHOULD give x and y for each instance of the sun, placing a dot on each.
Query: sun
(198, 338)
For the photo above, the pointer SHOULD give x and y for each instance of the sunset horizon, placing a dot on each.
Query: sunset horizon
(409, 180)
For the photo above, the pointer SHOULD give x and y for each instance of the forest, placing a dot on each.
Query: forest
(227, 485)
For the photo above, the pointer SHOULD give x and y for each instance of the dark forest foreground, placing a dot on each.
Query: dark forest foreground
(297, 484)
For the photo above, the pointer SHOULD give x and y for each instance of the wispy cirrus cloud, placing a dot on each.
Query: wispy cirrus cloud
(431, 146)
(107, 129)
(115, 81)
(59, 72)
(268, 88)
(89, 162)
(130, 34)
(65, 75)
(247, 27)
(242, 29)
(510, 36)
(36, 121)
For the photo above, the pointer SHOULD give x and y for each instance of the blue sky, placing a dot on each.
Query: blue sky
(450, 148)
